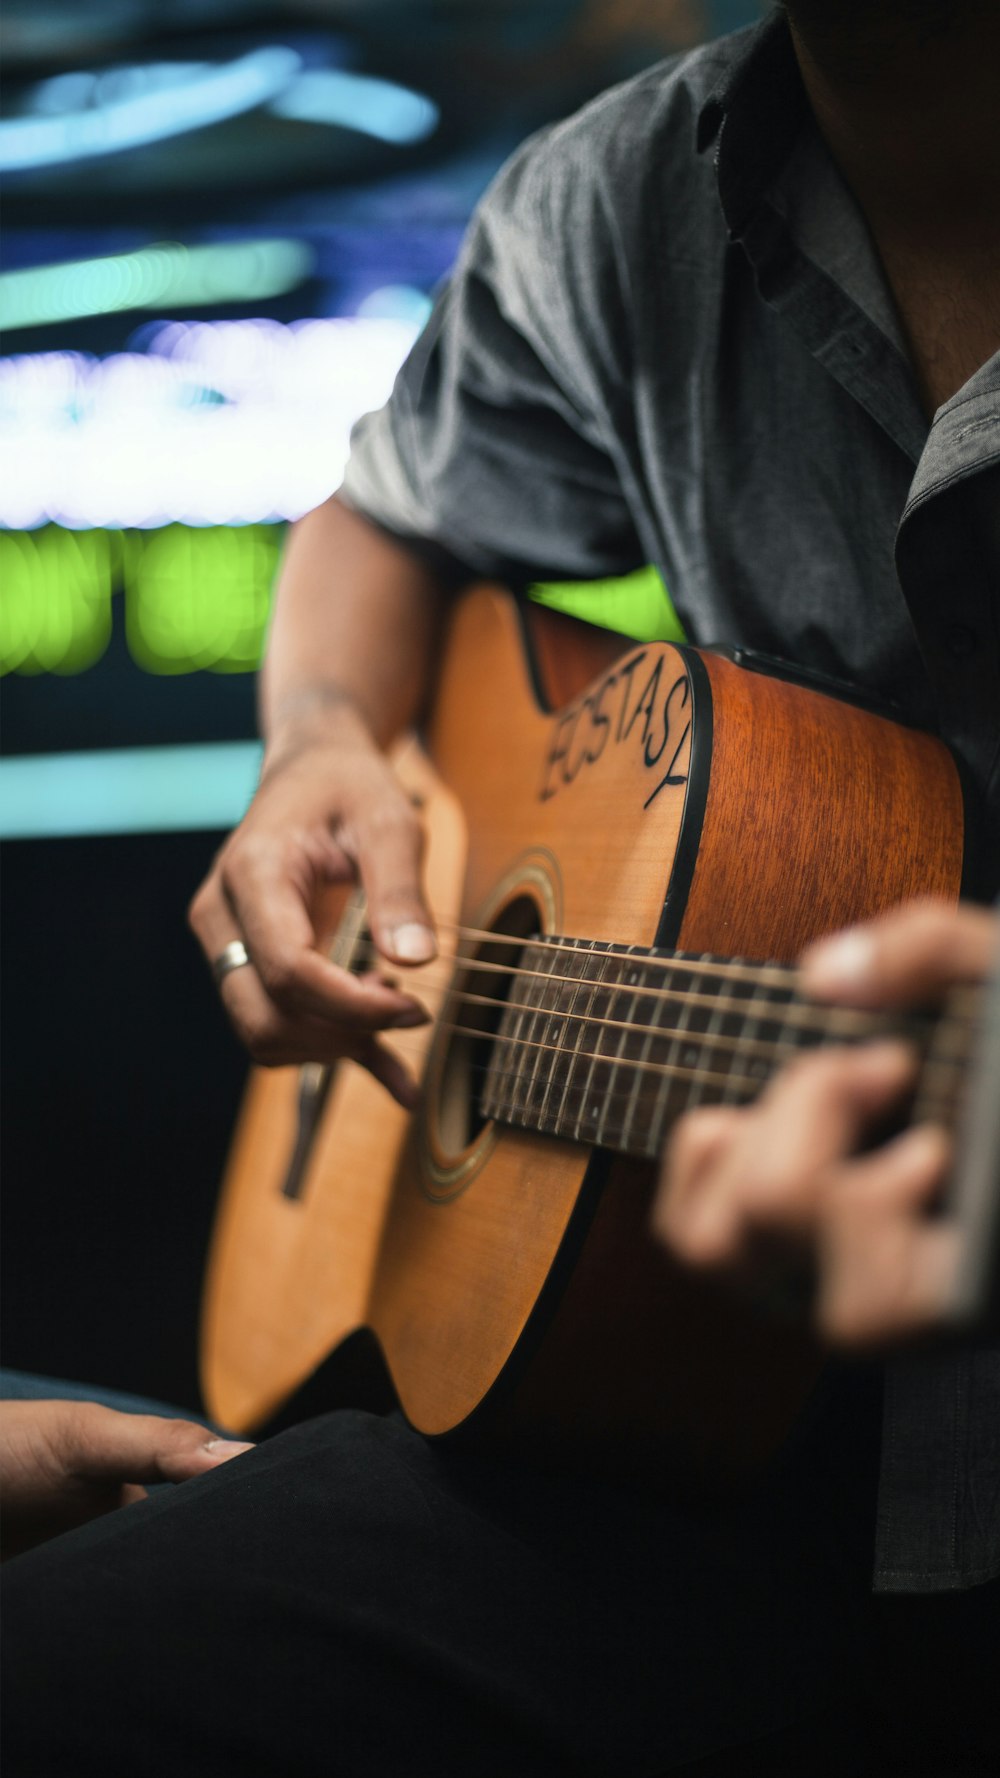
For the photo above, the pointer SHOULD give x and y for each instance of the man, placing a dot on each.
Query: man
(706, 325)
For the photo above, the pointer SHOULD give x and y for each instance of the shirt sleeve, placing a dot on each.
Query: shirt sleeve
(498, 441)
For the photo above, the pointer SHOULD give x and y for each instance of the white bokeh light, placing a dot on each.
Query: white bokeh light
(228, 422)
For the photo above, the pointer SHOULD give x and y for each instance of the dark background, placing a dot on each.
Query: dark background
(120, 1077)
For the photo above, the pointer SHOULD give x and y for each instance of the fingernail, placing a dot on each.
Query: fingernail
(412, 943)
(226, 1447)
(844, 961)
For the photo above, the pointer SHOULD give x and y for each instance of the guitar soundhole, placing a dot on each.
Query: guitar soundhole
(470, 1022)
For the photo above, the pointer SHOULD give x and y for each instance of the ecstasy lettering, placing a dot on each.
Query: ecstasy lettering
(625, 702)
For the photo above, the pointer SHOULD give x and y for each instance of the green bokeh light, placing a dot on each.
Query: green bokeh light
(194, 599)
(636, 605)
(198, 599)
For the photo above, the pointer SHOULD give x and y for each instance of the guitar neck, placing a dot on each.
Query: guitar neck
(607, 1045)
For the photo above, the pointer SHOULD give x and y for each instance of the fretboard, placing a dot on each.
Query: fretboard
(607, 1044)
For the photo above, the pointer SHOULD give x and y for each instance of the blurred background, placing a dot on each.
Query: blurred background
(225, 220)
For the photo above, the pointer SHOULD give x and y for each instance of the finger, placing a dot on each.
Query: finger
(273, 919)
(903, 1175)
(768, 1178)
(275, 1038)
(908, 956)
(387, 844)
(275, 1026)
(697, 1145)
(821, 1106)
(887, 1269)
(101, 1442)
(391, 1072)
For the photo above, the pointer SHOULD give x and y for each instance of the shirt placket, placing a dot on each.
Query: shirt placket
(948, 562)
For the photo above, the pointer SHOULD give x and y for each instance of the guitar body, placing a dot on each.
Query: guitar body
(509, 1278)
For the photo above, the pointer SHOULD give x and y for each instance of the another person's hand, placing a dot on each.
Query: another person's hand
(64, 1462)
(329, 810)
(756, 1193)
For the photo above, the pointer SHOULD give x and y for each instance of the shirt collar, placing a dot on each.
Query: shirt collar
(753, 117)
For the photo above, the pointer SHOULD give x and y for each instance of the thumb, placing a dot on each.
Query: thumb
(147, 1447)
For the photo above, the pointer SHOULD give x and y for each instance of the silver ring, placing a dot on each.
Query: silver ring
(235, 956)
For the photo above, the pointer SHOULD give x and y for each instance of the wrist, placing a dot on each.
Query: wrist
(314, 718)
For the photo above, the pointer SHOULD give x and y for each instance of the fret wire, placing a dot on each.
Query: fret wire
(583, 951)
(634, 1095)
(786, 1032)
(709, 1036)
(562, 1014)
(536, 1061)
(517, 1035)
(754, 991)
(814, 1015)
(942, 1075)
(662, 1101)
(617, 1058)
(592, 1056)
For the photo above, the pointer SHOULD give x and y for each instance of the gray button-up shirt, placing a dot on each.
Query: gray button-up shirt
(668, 339)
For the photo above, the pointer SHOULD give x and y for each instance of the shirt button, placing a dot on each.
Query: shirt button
(961, 640)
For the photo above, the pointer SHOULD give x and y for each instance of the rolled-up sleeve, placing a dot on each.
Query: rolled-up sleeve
(497, 443)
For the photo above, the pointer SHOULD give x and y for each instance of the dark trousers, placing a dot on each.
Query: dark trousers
(348, 1600)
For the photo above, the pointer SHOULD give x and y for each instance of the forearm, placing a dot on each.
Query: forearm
(356, 623)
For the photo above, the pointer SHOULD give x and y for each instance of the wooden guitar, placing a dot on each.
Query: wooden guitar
(611, 828)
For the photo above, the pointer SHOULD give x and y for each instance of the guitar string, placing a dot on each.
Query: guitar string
(698, 962)
(694, 963)
(621, 1096)
(717, 1040)
(808, 1016)
(784, 976)
(963, 1001)
(668, 1070)
(628, 1071)
(802, 1012)
(956, 1063)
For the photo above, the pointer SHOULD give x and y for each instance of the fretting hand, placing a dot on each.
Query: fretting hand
(758, 1192)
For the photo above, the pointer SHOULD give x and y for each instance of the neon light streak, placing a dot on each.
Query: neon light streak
(205, 96)
(159, 277)
(127, 790)
(376, 108)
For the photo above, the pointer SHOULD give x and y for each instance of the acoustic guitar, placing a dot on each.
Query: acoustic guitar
(612, 829)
